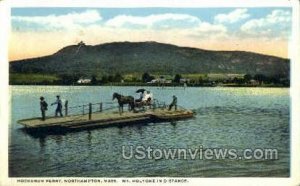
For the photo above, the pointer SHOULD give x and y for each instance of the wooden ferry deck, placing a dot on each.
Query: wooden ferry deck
(104, 119)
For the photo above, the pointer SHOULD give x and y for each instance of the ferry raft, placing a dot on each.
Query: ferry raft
(105, 119)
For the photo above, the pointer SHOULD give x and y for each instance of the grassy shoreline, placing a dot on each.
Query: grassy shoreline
(159, 85)
(54, 80)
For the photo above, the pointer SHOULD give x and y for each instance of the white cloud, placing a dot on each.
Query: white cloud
(278, 23)
(181, 24)
(70, 20)
(207, 27)
(162, 20)
(232, 17)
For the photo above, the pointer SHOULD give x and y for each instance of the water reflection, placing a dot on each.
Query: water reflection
(42, 143)
(173, 123)
(89, 137)
(58, 139)
(140, 130)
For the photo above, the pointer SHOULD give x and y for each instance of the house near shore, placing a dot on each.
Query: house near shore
(253, 82)
(184, 80)
(84, 81)
(161, 79)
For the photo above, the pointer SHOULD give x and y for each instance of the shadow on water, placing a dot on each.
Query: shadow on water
(43, 133)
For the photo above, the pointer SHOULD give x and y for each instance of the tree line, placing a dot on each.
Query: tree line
(204, 80)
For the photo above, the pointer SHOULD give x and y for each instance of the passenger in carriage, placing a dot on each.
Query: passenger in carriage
(148, 97)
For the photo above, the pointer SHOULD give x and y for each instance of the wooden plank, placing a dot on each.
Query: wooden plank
(101, 118)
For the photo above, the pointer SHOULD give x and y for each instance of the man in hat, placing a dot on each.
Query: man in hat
(58, 102)
(43, 105)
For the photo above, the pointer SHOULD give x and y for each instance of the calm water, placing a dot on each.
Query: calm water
(226, 118)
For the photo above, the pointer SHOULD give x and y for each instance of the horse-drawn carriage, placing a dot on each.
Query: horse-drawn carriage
(136, 105)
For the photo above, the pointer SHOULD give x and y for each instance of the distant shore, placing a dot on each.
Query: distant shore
(186, 80)
(138, 84)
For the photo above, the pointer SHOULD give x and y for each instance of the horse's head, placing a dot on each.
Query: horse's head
(115, 95)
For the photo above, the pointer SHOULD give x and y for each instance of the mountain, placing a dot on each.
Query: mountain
(152, 57)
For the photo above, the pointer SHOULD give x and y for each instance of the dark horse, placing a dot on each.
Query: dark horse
(122, 100)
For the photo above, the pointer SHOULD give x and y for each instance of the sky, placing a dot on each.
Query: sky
(43, 31)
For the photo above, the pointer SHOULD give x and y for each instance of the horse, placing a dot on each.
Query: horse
(124, 100)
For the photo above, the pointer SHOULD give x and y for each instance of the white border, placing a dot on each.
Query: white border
(295, 94)
(294, 52)
(4, 98)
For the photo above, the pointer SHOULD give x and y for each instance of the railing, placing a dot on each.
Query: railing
(81, 110)
(85, 109)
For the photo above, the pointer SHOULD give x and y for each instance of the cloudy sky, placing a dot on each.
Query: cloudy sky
(43, 31)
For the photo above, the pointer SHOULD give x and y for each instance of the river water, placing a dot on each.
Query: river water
(226, 118)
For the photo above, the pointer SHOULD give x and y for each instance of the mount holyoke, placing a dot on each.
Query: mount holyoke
(152, 57)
